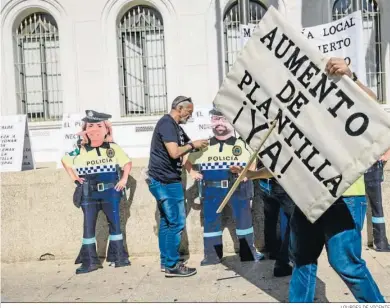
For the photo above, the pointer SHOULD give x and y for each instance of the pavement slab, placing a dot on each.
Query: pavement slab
(231, 281)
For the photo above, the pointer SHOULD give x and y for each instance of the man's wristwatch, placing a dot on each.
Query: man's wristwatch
(192, 145)
(354, 77)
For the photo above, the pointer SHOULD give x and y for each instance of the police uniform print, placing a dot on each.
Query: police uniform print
(214, 163)
(98, 166)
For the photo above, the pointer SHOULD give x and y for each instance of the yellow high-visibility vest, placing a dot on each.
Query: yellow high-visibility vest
(356, 189)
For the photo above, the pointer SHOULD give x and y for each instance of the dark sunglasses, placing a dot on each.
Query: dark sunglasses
(188, 99)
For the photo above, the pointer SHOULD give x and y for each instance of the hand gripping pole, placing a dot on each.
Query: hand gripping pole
(242, 175)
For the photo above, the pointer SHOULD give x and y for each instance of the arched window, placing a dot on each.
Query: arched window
(231, 26)
(142, 62)
(372, 38)
(38, 74)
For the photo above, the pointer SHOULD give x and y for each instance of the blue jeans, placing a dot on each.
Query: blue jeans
(276, 200)
(170, 201)
(339, 229)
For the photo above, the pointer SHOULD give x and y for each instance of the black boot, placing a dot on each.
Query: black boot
(282, 269)
(381, 243)
(86, 269)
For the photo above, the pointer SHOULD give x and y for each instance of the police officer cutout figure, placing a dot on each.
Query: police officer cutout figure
(224, 151)
(95, 169)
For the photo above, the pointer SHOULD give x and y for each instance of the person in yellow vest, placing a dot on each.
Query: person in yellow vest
(94, 168)
(213, 164)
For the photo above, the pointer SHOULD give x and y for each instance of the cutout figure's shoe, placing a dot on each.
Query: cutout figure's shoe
(382, 247)
(86, 269)
(210, 261)
(120, 263)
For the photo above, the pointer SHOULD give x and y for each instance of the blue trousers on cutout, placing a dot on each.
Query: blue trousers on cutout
(170, 201)
(108, 201)
(339, 229)
(212, 236)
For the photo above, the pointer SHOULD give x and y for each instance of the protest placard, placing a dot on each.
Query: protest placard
(15, 146)
(199, 127)
(329, 131)
(246, 32)
(71, 125)
(342, 38)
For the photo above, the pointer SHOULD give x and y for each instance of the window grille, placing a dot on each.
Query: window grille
(231, 25)
(142, 62)
(372, 39)
(38, 74)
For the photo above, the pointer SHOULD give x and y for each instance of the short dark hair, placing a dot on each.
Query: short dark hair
(180, 99)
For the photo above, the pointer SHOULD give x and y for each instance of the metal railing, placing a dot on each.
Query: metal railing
(38, 74)
(372, 39)
(141, 59)
(231, 25)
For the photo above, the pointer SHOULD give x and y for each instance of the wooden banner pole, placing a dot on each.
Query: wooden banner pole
(242, 175)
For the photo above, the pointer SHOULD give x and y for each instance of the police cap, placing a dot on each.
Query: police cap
(95, 117)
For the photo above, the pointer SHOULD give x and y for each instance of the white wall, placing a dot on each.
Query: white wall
(89, 55)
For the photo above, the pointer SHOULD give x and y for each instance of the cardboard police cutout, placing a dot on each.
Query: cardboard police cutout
(224, 151)
(96, 168)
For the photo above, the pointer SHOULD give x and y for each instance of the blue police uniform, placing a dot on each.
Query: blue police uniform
(99, 167)
(214, 162)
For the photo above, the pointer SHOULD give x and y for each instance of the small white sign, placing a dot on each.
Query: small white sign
(200, 125)
(15, 146)
(246, 33)
(342, 38)
(71, 125)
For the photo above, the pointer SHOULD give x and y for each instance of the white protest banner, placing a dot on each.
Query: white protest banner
(385, 107)
(328, 130)
(342, 38)
(15, 146)
(200, 125)
(246, 33)
(71, 125)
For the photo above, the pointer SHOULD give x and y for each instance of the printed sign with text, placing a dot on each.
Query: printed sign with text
(200, 125)
(71, 125)
(246, 33)
(342, 38)
(15, 146)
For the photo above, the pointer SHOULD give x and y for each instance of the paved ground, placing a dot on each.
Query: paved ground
(55, 281)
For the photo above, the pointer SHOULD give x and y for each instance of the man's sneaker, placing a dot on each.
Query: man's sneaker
(180, 260)
(259, 256)
(180, 270)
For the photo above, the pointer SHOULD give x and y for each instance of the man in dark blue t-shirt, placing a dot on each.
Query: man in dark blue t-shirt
(169, 144)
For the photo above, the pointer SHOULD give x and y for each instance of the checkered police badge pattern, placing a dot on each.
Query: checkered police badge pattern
(221, 165)
(95, 169)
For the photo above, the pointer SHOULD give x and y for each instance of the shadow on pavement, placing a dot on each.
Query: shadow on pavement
(261, 275)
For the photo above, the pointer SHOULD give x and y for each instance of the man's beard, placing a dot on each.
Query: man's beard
(183, 121)
(223, 132)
